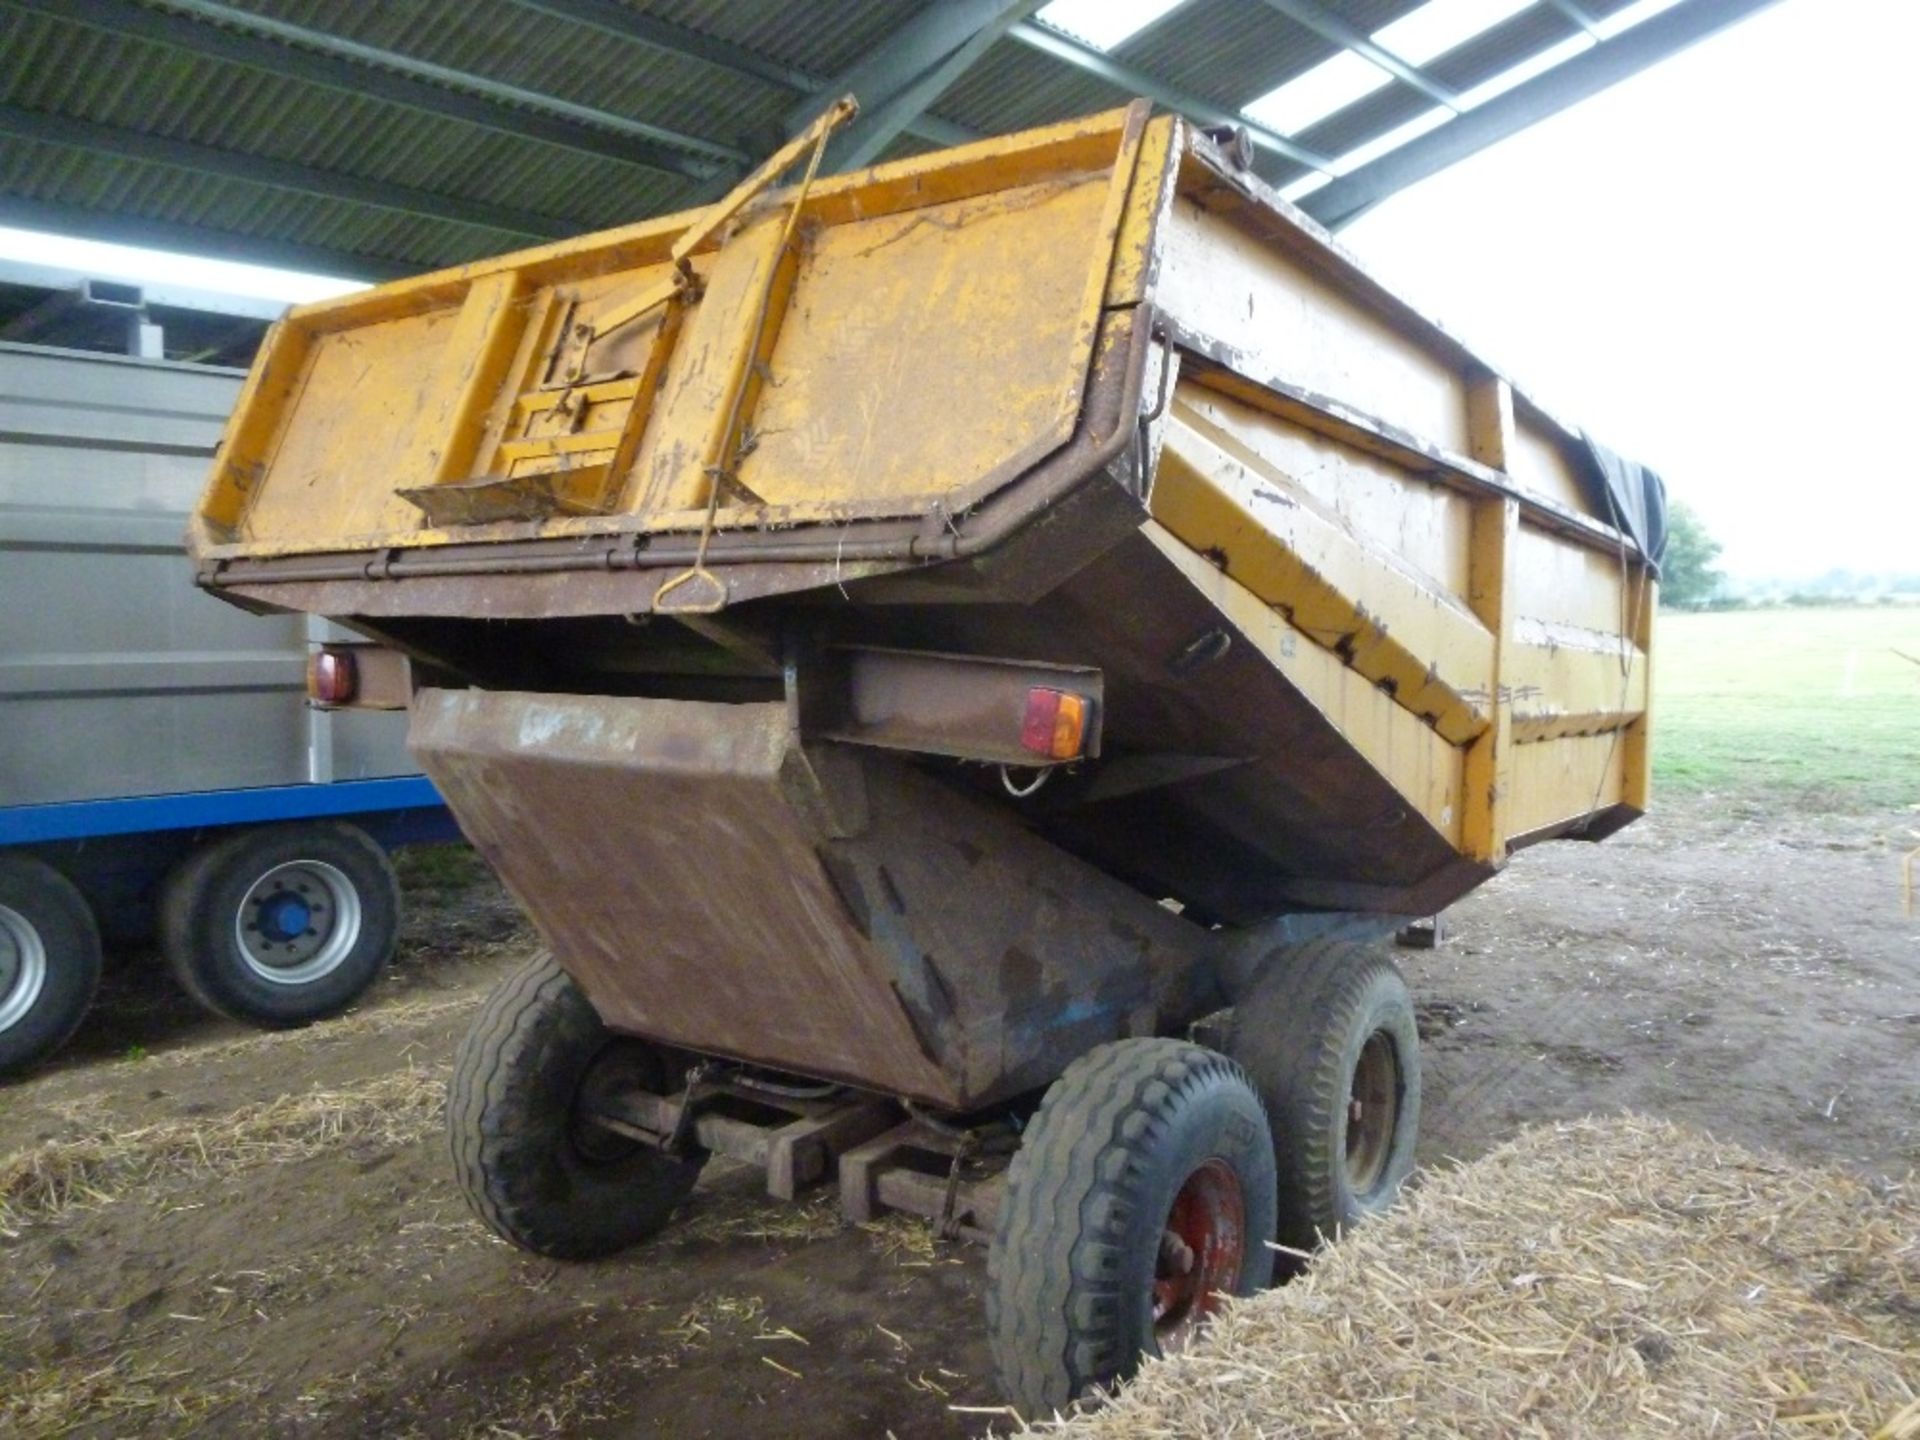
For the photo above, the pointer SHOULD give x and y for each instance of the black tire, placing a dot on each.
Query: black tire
(225, 933)
(1076, 1287)
(49, 961)
(531, 1169)
(1301, 1032)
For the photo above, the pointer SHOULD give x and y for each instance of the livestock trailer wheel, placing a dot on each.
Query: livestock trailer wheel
(49, 961)
(532, 1166)
(1327, 1032)
(281, 926)
(1142, 1195)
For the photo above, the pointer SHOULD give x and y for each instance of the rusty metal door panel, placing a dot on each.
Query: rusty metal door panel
(652, 845)
(1011, 956)
(712, 884)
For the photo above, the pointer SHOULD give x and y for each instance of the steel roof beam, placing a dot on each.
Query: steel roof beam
(1578, 16)
(29, 275)
(208, 28)
(899, 78)
(97, 139)
(610, 17)
(1568, 83)
(1102, 66)
(124, 229)
(623, 22)
(1331, 27)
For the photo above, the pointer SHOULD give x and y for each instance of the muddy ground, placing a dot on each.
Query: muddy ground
(227, 1261)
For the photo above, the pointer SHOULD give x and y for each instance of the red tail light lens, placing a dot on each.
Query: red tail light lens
(1055, 724)
(333, 677)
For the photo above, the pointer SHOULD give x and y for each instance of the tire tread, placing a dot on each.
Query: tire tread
(503, 1136)
(1282, 1034)
(74, 959)
(193, 925)
(1071, 1187)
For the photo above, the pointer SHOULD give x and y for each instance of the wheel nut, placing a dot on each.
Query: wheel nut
(1176, 1256)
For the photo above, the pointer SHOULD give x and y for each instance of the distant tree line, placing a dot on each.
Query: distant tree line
(1689, 579)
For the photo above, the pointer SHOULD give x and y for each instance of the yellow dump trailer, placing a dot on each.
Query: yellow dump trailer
(919, 640)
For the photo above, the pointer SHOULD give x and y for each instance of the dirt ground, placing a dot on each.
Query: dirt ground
(226, 1261)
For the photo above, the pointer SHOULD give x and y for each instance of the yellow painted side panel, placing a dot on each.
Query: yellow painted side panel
(1428, 523)
(1399, 628)
(1557, 781)
(925, 337)
(1566, 584)
(1538, 461)
(1330, 567)
(1421, 766)
(1566, 683)
(240, 466)
(926, 350)
(1289, 324)
(371, 388)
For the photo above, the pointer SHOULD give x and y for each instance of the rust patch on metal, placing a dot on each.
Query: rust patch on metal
(727, 918)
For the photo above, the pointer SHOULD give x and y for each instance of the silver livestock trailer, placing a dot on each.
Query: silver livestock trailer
(161, 774)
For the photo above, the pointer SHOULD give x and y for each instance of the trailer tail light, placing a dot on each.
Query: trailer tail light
(1056, 723)
(1022, 713)
(333, 677)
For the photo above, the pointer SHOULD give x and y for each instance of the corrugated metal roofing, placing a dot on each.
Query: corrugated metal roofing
(523, 47)
(70, 70)
(1375, 114)
(1495, 51)
(822, 36)
(416, 177)
(1226, 51)
(1014, 88)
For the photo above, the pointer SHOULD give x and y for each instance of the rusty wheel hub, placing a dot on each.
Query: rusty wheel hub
(1202, 1249)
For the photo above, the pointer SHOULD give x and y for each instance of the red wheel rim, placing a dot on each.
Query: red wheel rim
(1202, 1249)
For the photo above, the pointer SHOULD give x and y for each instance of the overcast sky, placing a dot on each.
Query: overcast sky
(1711, 266)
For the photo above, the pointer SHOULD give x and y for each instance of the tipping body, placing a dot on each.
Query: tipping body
(1366, 617)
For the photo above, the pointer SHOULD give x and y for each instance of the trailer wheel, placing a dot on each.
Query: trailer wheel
(281, 926)
(49, 961)
(1142, 1194)
(1328, 1035)
(532, 1168)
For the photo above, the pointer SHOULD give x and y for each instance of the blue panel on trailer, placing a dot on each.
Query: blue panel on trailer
(28, 824)
(395, 828)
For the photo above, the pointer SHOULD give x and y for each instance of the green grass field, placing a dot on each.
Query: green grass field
(1809, 705)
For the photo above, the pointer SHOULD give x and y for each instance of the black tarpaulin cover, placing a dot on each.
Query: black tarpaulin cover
(1630, 496)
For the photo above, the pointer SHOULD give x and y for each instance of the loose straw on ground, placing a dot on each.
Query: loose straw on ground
(100, 1164)
(1611, 1279)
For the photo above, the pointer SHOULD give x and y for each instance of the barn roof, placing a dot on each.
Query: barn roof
(369, 140)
